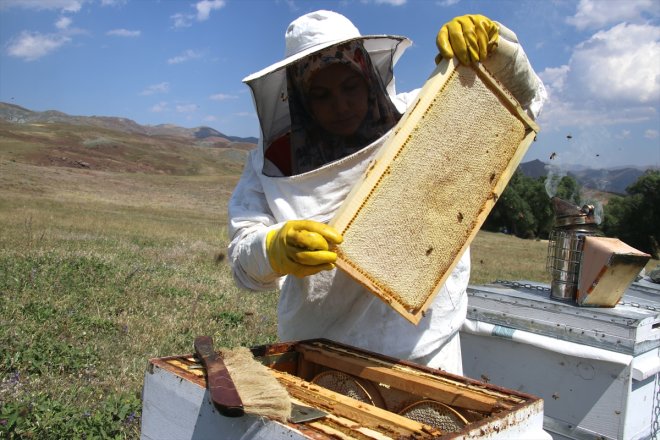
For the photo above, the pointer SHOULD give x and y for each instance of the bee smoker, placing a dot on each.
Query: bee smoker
(566, 241)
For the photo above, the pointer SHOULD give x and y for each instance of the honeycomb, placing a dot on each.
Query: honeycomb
(435, 414)
(346, 385)
(406, 226)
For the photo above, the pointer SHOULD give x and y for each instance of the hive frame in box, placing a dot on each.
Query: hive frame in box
(176, 401)
(375, 251)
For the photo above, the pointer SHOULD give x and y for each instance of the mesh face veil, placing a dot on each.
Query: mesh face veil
(308, 36)
(311, 146)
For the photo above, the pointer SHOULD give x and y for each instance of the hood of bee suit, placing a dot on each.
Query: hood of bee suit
(305, 36)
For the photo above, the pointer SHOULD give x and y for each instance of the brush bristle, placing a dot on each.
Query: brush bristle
(260, 391)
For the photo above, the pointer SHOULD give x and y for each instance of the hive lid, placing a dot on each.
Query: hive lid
(630, 328)
(433, 183)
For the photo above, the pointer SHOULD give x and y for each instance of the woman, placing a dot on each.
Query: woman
(324, 111)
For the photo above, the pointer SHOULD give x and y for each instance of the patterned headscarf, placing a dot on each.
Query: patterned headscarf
(311, 145)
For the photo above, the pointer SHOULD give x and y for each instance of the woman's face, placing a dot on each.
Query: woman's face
(338, 99)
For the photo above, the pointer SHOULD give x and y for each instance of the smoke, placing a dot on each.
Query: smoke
(598, 210)
(554, 175)
(556, 171)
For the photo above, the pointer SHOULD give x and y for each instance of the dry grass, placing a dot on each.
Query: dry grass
(100, 271)
(498, 256)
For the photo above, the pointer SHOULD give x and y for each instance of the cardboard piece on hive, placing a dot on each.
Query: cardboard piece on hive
(607, 268)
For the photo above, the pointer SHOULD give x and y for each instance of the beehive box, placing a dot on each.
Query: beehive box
(431, 186)
(597, 369)
(176, 403)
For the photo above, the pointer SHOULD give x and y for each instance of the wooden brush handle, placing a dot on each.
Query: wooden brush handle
(220, 384)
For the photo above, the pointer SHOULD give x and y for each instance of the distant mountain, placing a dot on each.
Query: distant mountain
(108, 144)
(613, 180)
(19, 115)
(533, 169)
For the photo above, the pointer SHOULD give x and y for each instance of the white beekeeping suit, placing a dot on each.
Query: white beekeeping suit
(330, 304)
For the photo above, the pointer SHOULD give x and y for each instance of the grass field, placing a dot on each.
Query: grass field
(101, 270)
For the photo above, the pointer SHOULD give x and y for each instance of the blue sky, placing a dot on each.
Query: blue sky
(182, 62)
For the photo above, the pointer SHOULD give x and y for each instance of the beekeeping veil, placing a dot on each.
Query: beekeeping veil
(307, 35)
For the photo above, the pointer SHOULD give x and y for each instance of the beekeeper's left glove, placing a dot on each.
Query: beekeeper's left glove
(469, 38)
(301, 247)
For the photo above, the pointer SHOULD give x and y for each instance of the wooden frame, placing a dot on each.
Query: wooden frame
(489, 410)
(375, 251)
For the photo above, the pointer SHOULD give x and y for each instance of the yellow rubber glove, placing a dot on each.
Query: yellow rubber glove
(469, 38)
(301, 248)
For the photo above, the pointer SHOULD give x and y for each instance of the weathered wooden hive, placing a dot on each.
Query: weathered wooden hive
(432, 185)
(365, 396)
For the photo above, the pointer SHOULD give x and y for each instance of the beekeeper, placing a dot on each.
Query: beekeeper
(324, 111)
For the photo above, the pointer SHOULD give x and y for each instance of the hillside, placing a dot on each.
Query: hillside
(17, 114)
(119, 144)
(612, 180)
(116, 144)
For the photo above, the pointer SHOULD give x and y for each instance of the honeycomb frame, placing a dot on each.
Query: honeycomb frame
(405, 232)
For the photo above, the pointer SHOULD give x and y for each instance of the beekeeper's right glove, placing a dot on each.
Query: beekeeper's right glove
(301, 248)
(469, 38)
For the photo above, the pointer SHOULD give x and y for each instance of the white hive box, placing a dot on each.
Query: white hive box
(431, 186)
(596, 368)
(176, 405)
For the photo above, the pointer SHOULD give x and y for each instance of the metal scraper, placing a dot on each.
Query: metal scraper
(302, 413)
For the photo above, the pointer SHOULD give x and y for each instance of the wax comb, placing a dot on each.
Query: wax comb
(431, 186)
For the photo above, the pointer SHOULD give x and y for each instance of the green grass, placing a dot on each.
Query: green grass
(100, 271)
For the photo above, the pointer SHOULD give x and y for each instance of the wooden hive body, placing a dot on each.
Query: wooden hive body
(432, 185)
(176, 401)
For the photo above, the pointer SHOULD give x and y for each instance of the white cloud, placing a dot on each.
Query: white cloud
(123, 33)
(210, 118)
(113, 2)
(63, 23)
(624, 134)
(186, 108)
(205, 7)
(160, 107)
(291, 4)
(153, 89)
(185, 56)
(182, 20)
(651, 134)
(561, 111)
(554, 78)
(592, 14)
(64, 5)
(611, 78)
(33, 45)
(448, 2)
(386, 2)
(619, 64)
(222, 97)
